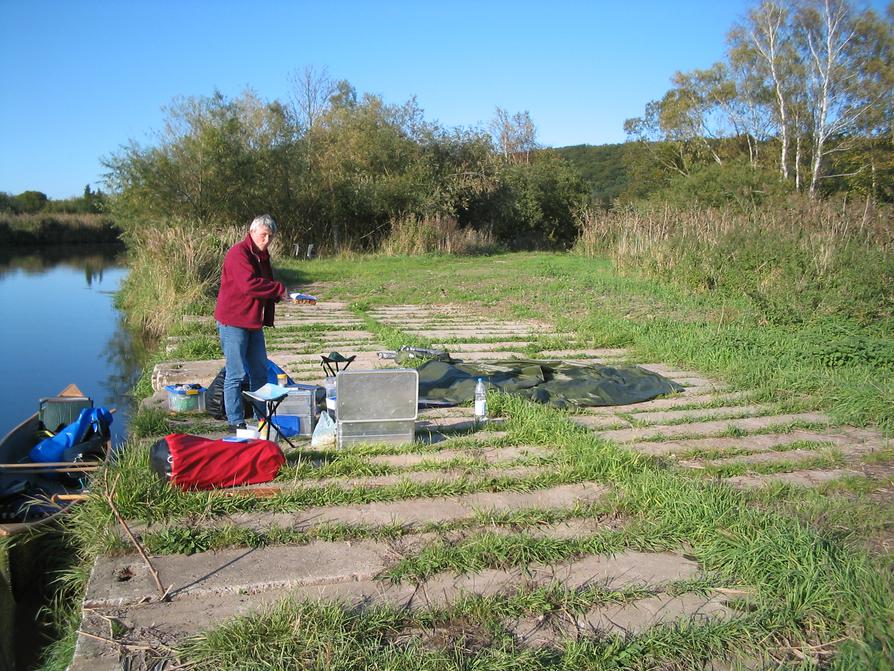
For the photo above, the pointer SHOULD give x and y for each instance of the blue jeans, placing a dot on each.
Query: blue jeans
(246, 354)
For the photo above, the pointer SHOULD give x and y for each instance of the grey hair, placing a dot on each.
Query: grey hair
(264, 220)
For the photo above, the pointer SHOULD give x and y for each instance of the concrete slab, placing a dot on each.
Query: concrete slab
(561, 496)
(793, 456)
(456, 424)
(699, 384)
(676, 401)
(600, 353)
(442, 590)
(671, 371)
(454, 411)
(670, 416)
(330, 307)
(428, 476)
(186, 617)
(458, 322)
(714, 427)
(181, 372)
(758, 442)
(626, 569)
(322, 324)
(459, 347)
(470, 356)
(600, 422)
(647, 613)
(488, 455)
(167, 622)
(412, 512)
(117, 581)
(471, 333)
(629, 618)
(94, 654)
(809, 478)
(419, 477)
(158, 400)
(577, 527)
(486, 437)
(311, 348)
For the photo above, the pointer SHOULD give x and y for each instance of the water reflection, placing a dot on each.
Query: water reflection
(92, 274)
(63, 327)
(92, 259)
(125, 353)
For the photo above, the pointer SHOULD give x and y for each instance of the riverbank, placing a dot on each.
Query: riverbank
(755, 501)
(64, 328)
(57, 229)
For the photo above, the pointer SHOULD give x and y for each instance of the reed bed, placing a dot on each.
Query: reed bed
(57, 228)
(411, 235)
(175, 266)
(797, 260)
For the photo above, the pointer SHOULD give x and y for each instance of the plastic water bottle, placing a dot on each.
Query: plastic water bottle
(480, 402)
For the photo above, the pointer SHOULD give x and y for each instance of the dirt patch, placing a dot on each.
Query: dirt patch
(461, 637)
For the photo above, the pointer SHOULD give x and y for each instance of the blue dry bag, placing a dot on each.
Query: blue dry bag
(95, 420)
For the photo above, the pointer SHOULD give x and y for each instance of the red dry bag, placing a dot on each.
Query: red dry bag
(193, 462)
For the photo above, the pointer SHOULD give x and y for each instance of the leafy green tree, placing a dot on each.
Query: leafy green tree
(210, 164)
(337, 173)
(531, 205)
(605, 169)
(8, 203)
(31, 201)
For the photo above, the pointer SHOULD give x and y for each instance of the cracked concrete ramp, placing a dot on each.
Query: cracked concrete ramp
(218, 585)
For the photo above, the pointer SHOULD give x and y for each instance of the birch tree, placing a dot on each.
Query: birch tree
(515, 136)
(310, 94)
(833, 77)
(764, 48)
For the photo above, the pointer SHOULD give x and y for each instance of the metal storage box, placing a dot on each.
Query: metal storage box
(377, 406)
(301, 403)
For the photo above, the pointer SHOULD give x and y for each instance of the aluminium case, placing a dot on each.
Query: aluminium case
(377, 406)
(302, 403)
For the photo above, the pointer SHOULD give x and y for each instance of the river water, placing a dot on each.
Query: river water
(60, 325)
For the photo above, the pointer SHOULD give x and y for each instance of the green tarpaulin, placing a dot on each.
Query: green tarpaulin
(558, 383)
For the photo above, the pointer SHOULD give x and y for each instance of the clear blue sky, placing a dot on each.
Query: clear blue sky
(81, 78)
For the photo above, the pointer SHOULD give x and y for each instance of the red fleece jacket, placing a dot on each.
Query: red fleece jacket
(247, 288)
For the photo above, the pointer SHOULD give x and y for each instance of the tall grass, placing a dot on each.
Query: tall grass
(796, 260)
(412, 235)
(54, 229)
(171, 267)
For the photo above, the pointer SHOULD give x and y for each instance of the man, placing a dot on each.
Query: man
(245, 305)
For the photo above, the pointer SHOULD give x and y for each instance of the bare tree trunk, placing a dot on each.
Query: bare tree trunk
(873, 188)
(336, 235)
(311, 90)
(826, 57)
(771, 22)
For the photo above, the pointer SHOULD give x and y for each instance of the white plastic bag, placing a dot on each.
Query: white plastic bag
(324, 432)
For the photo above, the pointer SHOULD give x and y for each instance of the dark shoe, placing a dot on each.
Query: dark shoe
(240, 425)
